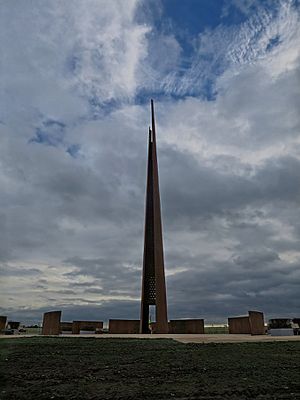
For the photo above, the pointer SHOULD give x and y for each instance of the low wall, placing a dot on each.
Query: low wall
(187, 326)
(239, 325)
(3, 321)
(66, 327)
(51, 323)
(124, 326)
(252, 324)
(96, 326)
(257, 324)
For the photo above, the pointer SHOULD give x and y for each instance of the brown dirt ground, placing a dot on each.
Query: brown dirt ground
(87, 368)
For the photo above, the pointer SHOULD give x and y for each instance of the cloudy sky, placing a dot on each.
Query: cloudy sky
(76, 79)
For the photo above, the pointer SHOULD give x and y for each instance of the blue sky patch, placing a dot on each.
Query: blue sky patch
(50, 133)
(275, 41)
(73, 150)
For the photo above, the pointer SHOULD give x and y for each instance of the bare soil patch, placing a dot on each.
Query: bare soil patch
(87, 368)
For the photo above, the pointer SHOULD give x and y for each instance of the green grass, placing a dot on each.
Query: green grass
(33, 331)
(89, 368)
(216, 330)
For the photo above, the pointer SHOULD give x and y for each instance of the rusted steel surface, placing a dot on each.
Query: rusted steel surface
(66, 326)
(3, 321)
(96, 326)
(253, 324)
(51, 323)
(124, 326)
(239, 325)
(153, 280)
(257, 323)
(186, 326)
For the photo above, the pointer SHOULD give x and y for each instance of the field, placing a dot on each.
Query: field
(216, 330)
(89, 368)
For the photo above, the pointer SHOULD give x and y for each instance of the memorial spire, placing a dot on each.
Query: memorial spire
(153, 280)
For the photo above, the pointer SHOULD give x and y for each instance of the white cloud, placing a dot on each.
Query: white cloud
(254, 117)
(57, 53)
(229, 167)
(269, 35)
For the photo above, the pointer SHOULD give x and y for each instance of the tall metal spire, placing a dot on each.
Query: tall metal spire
(153, 282)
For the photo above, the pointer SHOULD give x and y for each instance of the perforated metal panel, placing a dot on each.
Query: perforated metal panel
(150, 295)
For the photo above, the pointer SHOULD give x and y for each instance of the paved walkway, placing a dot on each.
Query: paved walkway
(181, 338)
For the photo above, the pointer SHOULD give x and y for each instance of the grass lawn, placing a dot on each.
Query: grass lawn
(89, 368)
(216, 330)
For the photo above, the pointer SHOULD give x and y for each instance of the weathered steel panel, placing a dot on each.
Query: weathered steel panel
(3, 321)
(253, 324)
(257, 324)
(96, 326)
(188, 326)
(66, 327)
(124, 326)
(239, 325)
(51, 323)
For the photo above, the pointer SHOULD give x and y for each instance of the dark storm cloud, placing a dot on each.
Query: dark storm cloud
(190, 189)
(7, 271)
(101, 312)
(73, 178)
(214, 291)
(112, 274)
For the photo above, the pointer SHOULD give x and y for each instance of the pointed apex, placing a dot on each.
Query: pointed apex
(153, 121)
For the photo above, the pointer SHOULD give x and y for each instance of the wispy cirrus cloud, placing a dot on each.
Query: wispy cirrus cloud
(265, 34)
